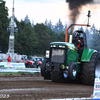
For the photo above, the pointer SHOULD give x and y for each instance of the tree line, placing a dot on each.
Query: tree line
(35, 39)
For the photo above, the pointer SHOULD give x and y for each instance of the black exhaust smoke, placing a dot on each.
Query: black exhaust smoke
(75, 8)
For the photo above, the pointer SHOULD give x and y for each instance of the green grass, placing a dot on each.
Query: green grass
(16, 73)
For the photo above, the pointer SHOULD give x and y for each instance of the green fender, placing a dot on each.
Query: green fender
(86, 55)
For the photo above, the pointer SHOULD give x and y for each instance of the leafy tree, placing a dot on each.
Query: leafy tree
(43, 34)
(95, 42)
(53, 35)
(98, 31)
(61, 37)
(33, 40)
(93, 29)
(27, 20)
(4, 23)
(82, 29)
(46, 22)
(50, 24)
(92, 37)
(25, 39)
(89, 37)
(59, 27)
(87, 33)
(65, 27)
(32, 24)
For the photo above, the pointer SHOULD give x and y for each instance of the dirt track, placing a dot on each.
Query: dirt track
(34, 87)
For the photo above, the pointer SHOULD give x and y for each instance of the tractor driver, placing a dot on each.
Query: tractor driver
(80, 46)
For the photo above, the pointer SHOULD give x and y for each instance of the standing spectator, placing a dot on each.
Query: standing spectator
(9, 59)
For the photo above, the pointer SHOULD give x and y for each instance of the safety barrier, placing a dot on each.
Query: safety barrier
(96, 92)
(12, 65)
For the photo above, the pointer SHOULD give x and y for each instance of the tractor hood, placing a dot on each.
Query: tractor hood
(69, 45)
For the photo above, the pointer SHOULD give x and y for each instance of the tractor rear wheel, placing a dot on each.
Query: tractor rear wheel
(57, 76)
(88, 69)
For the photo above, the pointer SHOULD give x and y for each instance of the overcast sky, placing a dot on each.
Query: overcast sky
(40, 10)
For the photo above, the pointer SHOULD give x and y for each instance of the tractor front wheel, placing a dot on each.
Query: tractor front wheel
(57, 76)
(44, 73)
(72, 71)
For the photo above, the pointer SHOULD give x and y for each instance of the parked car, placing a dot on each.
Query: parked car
(38, 61)
(33, 62)
(19, 61)
(29, 63)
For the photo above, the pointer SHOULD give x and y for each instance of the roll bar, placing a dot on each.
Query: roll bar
(66, 35)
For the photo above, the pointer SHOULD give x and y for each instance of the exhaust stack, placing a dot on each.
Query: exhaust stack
(71, 36)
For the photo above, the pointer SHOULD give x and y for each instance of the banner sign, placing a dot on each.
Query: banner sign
(16, 65)
(12, 65)
(96, 94)
(3, 64)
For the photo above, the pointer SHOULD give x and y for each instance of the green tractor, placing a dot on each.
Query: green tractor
(64, 63)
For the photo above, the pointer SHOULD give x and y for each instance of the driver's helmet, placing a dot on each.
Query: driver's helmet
(78, 35)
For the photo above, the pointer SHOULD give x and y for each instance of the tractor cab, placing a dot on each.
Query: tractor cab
(78, 34)
(79, 39)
